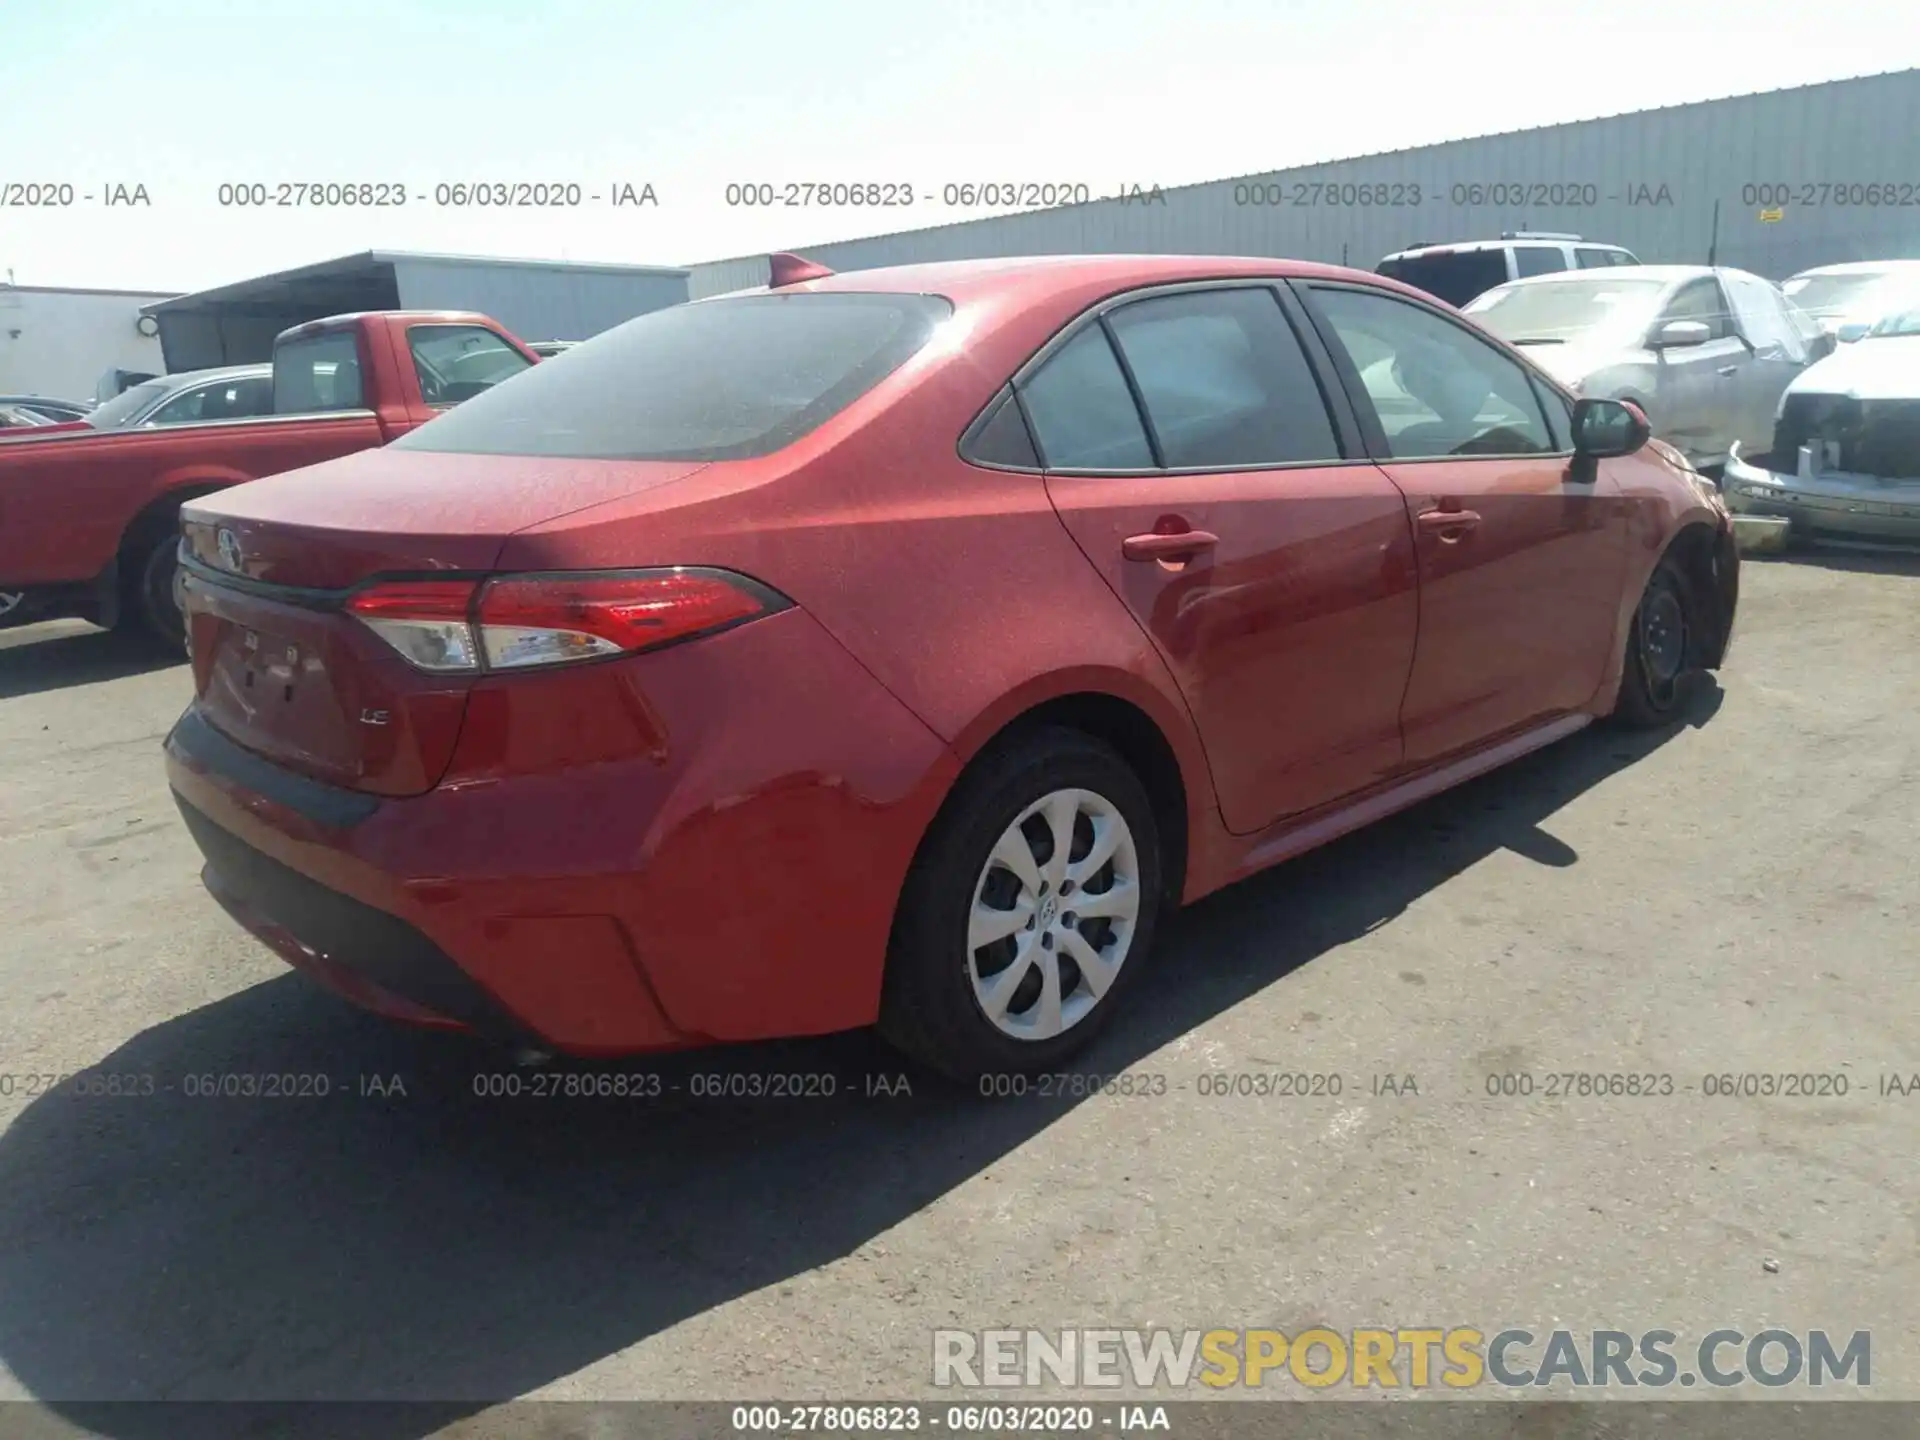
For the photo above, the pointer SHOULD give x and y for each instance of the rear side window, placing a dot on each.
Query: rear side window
(1224, 380)
(1001, 437)
(717, 380)
(1082, 413)
(457, 362)
(319, 373)
(1538, 259)
(1455, 278)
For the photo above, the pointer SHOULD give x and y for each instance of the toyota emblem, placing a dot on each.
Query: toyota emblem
(230, 555)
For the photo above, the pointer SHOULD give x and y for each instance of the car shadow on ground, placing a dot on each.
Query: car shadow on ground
(447, 1247)
(55, 654)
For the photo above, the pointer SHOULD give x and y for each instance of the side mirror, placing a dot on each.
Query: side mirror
(1603, 429)
(1676, 334)
(1853, 330)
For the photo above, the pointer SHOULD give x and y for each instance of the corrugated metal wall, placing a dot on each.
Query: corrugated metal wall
(1649, 181)
(538, 302)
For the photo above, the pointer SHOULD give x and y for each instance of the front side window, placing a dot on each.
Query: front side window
(1591, 257)
(317, 374)
(1224, 380)
(457, 362)
(1701, 300)
(723, 379)
(1082, 413)
(1438, 389)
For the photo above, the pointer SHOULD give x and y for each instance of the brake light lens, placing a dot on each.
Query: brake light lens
(515, 622)
(425, 620)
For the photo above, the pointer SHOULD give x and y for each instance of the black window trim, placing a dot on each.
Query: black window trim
(1348, 434)
(1378, 450)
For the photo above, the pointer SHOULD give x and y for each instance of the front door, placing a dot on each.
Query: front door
(1521, 554)
(1272, 572)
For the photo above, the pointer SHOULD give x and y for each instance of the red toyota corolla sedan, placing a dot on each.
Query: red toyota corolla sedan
(896, 647)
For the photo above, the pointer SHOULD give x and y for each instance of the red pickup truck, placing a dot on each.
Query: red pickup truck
(89, 520)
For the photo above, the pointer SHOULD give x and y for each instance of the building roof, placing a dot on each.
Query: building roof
(6, 289)
(1548, 128)
(367, 262)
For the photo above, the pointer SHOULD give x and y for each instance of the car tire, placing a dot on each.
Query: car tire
(941, 985)
(1661, 667)
(150, 604)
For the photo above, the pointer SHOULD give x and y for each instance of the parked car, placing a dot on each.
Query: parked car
(233, 392)
(1848, 299)
(89, 520)
(58, 411)
(873, 647)
(1459, 271)
(545, 349)
(18, 417)
(1844, 463)
(1706, 352)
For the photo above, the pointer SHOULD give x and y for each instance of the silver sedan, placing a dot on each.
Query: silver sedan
(1705, 351)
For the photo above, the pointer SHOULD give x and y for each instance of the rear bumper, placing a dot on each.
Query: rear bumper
(731, 877)
(1828, 506)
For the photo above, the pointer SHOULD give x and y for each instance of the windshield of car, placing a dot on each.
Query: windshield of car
(1564, 310)
(1835, 294)
(124, 406)
(1899, 322)
(717, 380)
(1455, 277)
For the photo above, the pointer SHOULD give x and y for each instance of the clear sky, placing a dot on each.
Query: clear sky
(188, 95)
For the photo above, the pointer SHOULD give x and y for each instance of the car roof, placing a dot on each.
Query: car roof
(1019, 277)
(1858, 267)
(181, 379)
(1523, 241)
(1665, 274)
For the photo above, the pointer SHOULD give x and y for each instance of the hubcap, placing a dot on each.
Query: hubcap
(1053, 914)
(1663, 637)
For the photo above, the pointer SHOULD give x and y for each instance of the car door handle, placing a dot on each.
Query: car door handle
(1156, 545)
(1445, 520)
(1728, 370)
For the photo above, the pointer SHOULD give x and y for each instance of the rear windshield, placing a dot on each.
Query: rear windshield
(1454, 278)
(718, 380)
(124, 406)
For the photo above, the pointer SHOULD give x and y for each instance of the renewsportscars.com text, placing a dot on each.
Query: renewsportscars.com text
(1456, 1358)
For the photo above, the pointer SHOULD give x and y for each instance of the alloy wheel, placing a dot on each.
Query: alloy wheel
(1053, 915)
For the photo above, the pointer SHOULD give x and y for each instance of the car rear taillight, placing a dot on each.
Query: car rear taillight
(514, 622)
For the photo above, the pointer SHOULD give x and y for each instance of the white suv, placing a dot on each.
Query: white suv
(1456, 273)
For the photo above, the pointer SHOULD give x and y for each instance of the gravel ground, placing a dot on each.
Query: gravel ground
(1736, 896)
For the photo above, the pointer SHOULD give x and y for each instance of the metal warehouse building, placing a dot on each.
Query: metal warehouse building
(1772, 183)
(536, 299)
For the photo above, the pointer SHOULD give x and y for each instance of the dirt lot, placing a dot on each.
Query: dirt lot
(1738, 896)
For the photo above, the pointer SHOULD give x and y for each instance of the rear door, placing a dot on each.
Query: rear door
(1200, 463)
(1777, 351)
(1521, 556)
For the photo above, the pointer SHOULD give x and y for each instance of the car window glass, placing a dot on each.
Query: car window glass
(1538, 259)
(1762, 316)
(1621, 257)
(1589, 257)
(457, 362)
(1437, 389)
(1224, 380)
(1701, 300)
(182, 408)
(1002, 438)
(1454, 276)
(1082, 413)
(318, 373)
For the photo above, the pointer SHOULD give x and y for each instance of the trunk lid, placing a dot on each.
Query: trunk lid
(279, 665)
